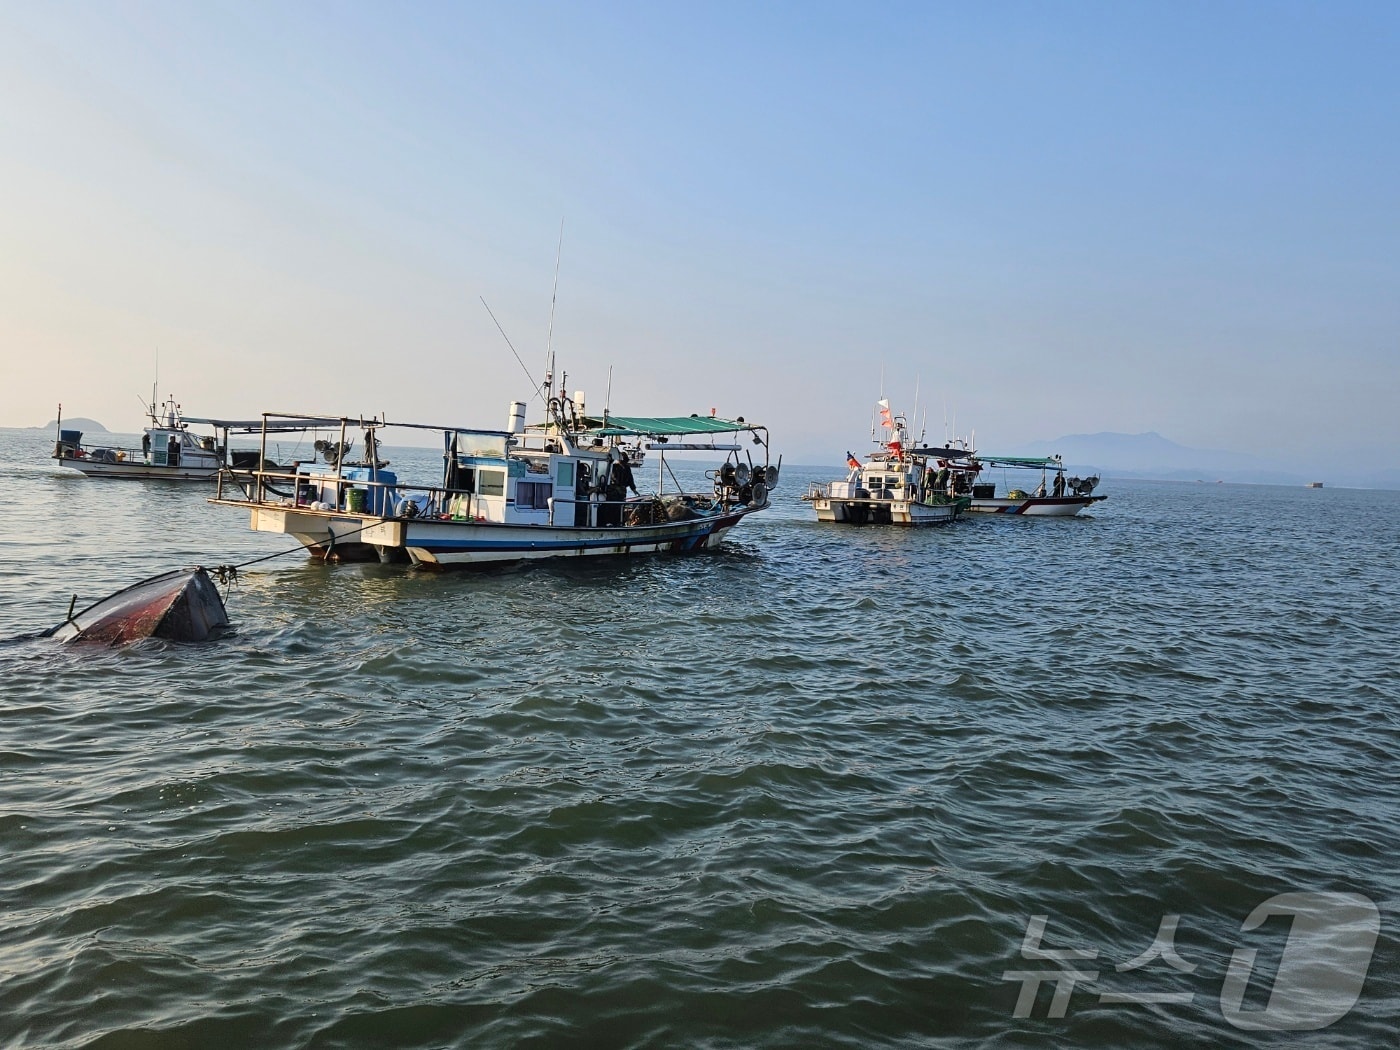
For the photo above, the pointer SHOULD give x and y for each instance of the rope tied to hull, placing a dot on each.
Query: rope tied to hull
(330, 548)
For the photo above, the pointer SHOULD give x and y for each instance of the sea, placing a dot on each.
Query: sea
(1122, 780)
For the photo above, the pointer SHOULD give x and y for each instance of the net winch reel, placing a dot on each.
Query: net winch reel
(739, 482)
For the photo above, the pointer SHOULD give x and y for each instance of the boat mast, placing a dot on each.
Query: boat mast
(548, 387)
(915, 415)
(553, 302)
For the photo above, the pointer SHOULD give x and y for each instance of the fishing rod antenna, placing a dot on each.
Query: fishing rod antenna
(553, 301)
(533, 385)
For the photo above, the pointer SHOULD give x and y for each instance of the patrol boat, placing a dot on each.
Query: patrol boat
(896, 485)
(560, 488)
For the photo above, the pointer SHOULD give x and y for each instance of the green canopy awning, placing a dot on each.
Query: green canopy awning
(665, 426)
(1021, 461)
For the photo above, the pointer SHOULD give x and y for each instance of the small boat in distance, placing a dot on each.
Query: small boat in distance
(1054, 495)
(169, 451)
(555, 489)
(896, 485)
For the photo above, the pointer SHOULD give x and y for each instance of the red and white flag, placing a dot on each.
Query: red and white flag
(886, 420)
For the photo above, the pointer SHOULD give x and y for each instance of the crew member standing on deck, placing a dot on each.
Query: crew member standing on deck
(619, 481)
(622, 478)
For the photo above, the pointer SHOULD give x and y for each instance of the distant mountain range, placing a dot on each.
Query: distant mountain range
(1151, 455)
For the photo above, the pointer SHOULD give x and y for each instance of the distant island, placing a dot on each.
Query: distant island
(75, 423)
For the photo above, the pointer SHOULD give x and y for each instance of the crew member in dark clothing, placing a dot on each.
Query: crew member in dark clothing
(622, 478)
(172, 451)
(619, 481)
(146, 445)
(1059, 485)
(583, 487)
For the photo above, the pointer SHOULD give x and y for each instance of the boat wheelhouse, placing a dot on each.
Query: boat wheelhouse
(561, 488)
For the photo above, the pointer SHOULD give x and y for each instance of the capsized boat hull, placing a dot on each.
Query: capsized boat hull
(1034, 506)
(180, 606)
(885, 512)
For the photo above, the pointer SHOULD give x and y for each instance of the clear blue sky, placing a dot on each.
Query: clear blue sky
(1056, 217)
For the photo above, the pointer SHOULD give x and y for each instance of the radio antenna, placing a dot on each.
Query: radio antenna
(607, 399)
(553, 300)
(512, 348)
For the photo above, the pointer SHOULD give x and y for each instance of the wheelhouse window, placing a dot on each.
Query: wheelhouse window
(533, 495)
(565, 473)
(492, 482)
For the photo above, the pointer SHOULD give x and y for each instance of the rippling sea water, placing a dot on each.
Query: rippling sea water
(808, 790)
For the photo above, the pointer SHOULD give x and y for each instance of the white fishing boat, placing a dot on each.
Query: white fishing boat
(169, 451)
(1052, 494)
(896, 485)
(564, 487)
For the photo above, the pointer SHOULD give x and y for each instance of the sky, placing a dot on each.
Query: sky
(1041, 218)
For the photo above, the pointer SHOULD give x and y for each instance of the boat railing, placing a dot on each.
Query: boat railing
(94, 452)
(335, 489)
(158, 455)
(344, 494)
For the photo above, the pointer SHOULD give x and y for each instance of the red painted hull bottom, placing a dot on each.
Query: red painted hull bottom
(179, 606)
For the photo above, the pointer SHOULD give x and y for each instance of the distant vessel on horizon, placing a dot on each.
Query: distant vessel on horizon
(169, 450)
(1314, 484)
